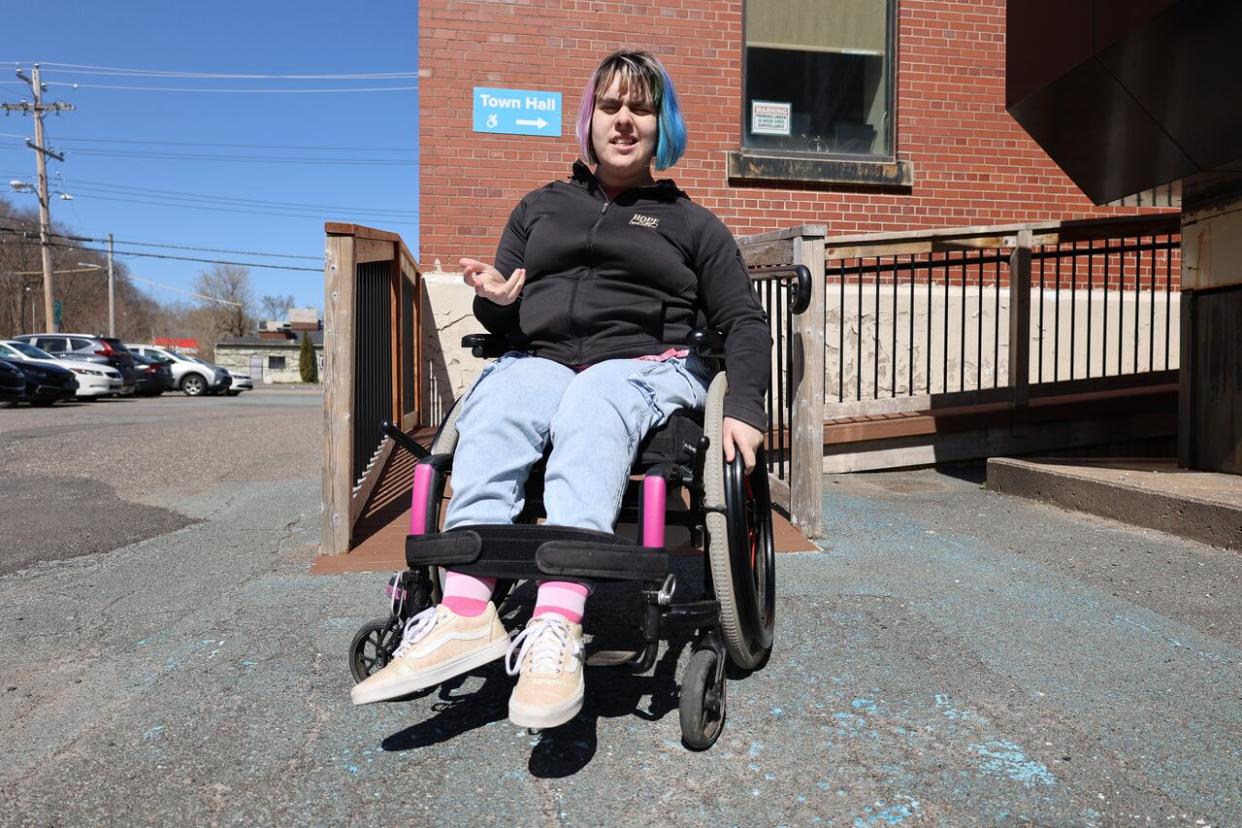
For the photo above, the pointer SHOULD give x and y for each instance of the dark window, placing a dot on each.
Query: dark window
(81, 344)
(52, 343)
(276, 363)
(819, 77)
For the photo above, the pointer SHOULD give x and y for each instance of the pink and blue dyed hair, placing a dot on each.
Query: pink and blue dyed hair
(640, 72)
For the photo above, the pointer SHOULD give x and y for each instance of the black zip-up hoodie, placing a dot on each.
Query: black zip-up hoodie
(629, 278)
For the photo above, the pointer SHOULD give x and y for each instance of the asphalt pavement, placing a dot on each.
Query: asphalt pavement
(952, 657)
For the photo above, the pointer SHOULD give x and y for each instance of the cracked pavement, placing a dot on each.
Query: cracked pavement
(954, 657)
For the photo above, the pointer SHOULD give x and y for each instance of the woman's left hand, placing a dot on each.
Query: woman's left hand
(740, 437)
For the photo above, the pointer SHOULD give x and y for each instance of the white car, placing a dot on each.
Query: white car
(241, 382)
(95, 379)
(193, 376)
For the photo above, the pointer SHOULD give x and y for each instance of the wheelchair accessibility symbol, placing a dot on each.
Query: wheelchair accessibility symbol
(492, 121)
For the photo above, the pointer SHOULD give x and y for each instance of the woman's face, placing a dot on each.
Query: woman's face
(624, 130)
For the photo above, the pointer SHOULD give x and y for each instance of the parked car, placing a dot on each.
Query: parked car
(45, 384)
(95, 379)
(241, 382)
(217, 370)
(12, 383)
(189, 374)
(88, 348)
(154, 376)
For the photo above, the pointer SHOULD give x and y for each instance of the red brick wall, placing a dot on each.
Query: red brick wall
(973, 164)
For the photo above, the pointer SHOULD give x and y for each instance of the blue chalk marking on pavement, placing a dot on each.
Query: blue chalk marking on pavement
(866, 705)
(1008, 759)
(891, 815)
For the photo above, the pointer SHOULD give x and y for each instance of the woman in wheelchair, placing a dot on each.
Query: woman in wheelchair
(608, 272)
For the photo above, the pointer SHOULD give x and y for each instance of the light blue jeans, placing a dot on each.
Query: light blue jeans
(595, 420)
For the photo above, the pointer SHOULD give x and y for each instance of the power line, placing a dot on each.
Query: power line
(172, 258)
(256, 159)
(189, 292)
(234, 91)
(68, 237)
(84, 69)
(234, 210)
(245, 159)
(88, 186)
(190, 259)
(187, 247)
(233, 146)
(179, 196)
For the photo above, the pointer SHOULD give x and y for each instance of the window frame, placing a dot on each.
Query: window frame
(284, 362)
(886, 170)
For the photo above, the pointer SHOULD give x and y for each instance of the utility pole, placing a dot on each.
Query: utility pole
(111, 294)
(41, 152)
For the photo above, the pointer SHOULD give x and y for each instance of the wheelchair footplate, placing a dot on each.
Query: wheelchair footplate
(530, 551)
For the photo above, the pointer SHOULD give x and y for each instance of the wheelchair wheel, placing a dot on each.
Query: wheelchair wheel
(702, 703)
(740, 546)
(373, 646)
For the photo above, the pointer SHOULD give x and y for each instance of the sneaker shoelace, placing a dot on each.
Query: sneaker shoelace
(545, 640)
(416, 629)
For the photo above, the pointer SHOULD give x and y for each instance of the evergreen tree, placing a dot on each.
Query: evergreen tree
(308, 366)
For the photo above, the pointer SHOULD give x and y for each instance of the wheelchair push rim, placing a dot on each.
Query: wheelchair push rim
(740, 547)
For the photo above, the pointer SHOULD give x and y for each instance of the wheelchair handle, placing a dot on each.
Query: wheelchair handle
(404, 440)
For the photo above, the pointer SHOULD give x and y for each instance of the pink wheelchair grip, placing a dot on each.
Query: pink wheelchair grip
(418, 500)
(655, 491)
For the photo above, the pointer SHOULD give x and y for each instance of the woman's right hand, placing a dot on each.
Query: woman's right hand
(488, 283)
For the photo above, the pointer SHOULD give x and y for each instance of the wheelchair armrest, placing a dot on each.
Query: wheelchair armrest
(485, 345)
(706, 342)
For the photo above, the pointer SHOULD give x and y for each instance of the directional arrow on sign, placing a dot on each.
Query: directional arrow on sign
(538, 122)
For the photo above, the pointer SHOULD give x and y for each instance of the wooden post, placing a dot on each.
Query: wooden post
(338, 391)
(1020, 319)
(806, 474)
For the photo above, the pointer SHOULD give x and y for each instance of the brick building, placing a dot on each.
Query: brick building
(864, 115)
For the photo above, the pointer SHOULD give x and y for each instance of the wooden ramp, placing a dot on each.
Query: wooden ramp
(379, 537)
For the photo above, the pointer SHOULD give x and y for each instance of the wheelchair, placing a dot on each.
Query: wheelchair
(729, 516)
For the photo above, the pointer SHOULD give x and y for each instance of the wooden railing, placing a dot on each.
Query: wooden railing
(373, 366)
(911, 322)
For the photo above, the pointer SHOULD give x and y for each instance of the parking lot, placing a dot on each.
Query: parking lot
(953, 657)
(88, 477)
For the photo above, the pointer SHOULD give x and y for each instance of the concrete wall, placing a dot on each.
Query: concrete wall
(986, 361)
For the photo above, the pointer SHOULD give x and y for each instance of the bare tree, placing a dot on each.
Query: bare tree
(233, 315)
(275, 307)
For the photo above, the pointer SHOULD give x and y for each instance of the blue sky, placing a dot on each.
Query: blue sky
(259, 200)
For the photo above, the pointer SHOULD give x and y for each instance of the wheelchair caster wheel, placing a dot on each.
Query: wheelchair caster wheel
(373, 646)
(702, 703)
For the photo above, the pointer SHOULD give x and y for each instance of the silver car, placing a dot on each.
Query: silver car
(192, 375)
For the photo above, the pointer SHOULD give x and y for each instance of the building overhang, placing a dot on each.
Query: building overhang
(1127, 95)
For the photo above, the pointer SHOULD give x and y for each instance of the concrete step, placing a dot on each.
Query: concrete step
(1156, 494)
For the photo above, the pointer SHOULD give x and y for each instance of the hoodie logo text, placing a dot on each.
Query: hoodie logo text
(645, 221)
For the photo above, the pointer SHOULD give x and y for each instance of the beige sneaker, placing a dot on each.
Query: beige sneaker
(437, 645)
(549, 659)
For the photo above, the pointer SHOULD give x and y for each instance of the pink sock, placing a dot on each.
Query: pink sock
(467, 595)
(563, 598)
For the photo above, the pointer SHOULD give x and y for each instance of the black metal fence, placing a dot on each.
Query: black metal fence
(372, 366)
(938, 322)
(772, 288)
